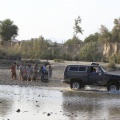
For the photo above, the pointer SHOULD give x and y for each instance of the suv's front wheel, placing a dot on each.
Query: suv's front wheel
(112, 87)
(75, 85)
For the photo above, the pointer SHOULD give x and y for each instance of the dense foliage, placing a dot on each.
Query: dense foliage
(75, 40)
(89, 52)
(8, 30)
(92, 38)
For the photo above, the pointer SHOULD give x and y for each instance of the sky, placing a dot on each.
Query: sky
(54, 19)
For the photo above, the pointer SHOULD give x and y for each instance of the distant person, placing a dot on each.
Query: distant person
(29, 72)
(25, 73)
(41, 73)
(13, 71)
(43, 70)
(35, 72)
(21, 71)
(50, 71)
(94, 70)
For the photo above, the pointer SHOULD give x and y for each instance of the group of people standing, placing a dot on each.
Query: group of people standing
(29, 72)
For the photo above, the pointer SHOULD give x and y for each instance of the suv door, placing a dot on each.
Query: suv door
(96, 75)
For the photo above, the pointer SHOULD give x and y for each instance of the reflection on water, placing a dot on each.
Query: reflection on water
(92, 104)
(37, 103)
(34, 103)
(5, 106)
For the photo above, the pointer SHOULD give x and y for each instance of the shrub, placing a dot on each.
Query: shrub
(112, 65)
(112, 62)
(58, 60)
(89, 52)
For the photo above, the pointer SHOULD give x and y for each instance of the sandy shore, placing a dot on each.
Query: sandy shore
(56, 81)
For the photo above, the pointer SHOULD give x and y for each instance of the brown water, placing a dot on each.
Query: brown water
(37, 103)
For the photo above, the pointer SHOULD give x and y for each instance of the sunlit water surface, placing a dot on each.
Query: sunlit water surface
(36, 103)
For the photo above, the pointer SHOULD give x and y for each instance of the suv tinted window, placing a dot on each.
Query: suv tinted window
(82, 68)
(73, 68)
(77, 68)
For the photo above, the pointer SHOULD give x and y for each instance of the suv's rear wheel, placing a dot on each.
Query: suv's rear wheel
(75, 85)
(112, 87)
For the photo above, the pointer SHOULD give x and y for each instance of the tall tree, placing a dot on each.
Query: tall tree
(75, 40)
(116, 31)
(8, 30)
(92, 38)
(105, 35)
(89, 52)
(76, 27)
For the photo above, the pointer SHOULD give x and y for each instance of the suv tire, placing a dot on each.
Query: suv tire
(112, 87)
(75, 85)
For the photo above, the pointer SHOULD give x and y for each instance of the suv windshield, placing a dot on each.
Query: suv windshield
(103, 70)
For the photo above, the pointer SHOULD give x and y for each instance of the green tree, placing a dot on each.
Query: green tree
(92, 38)
(89, 52)
(42, 47)
(8, 30)
(75, 40)
(35, 48)
(76, 27)
(105, 35)
(116, 31)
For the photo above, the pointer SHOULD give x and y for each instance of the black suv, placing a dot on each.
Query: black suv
(80, 75)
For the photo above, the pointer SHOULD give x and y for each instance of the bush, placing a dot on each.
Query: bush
(76, 58)
(58, 60)
(112, 62)
(30, 61)
(67, 57)
(112, 65)
(117, 57)
(89, 52)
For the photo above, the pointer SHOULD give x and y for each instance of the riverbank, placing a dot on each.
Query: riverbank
(55, 81)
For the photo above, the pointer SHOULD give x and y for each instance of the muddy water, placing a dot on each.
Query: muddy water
(34, 103)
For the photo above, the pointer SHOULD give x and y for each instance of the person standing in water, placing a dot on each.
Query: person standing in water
(21, 71)
(50, 71)
(13, 71)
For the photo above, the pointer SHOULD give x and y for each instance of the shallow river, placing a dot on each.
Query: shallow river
(34, 103)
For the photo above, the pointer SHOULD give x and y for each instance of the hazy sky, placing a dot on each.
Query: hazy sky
(54, 19)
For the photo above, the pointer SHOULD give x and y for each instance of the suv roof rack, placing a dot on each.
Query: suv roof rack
(94, 64)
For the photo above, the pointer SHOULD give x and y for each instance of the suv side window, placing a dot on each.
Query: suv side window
(95, 69)
(73, 68)
(82, 68)
(77, 68)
